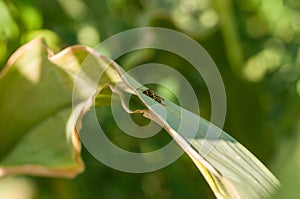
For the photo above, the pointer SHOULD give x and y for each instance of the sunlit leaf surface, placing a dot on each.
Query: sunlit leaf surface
(35, 108)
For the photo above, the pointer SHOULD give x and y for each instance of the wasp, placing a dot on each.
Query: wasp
(150, 93)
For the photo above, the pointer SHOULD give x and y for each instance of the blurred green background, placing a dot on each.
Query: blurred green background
(254, 43)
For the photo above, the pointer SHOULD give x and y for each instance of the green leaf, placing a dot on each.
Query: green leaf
(37, 135)
(229, 168)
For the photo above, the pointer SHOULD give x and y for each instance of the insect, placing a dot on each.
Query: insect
(150, 93)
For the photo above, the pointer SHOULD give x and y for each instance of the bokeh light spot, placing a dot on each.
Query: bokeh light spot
(88, 35)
